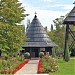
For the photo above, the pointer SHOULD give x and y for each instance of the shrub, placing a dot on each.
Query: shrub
(41, 54)
(73, 52)
(53, 52)
(5, 56)
(27, 55)
(67, 54)
(49, 64)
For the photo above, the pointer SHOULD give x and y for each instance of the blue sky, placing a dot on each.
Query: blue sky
(47, 10)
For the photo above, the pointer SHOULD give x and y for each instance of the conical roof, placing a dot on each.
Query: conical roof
(70, 18)
(37, 35)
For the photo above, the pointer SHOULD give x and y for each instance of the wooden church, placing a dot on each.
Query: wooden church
(38, 41)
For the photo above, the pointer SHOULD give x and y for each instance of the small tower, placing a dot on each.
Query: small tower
(68, 21)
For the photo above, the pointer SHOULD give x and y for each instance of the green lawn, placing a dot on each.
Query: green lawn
(65, 68)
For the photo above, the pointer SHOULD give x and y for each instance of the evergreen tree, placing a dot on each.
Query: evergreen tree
(51, 27)
(67, 54)
(53, 52)
(28, 24)
(45, 28)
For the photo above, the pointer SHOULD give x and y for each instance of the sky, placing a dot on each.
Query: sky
(47, 10)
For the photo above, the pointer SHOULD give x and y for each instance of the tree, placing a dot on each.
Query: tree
(12, 38)
(45, 28)
(51, 27)
(28, 24)
(58, 22)
(67, 54)
(53, 52)
(11, 11)
(58, 35)
(12, 35)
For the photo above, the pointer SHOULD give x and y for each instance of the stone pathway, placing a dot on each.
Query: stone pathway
(31, 74)
(29, 69)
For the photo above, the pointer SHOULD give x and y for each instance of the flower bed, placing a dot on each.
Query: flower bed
(40, 68)
(47, 64)
(20, 66)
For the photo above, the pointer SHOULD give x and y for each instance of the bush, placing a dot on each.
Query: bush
(67, 54)
(53, 52)
(73, 52)
(5, 56)
(41, 54)
(49, 64)
(27, 55)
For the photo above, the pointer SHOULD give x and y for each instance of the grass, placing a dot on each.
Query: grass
(65, 68)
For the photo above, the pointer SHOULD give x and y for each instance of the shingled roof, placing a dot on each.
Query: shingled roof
(38, 36)
(70, 18)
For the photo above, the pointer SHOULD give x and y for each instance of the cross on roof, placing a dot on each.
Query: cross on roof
(74, 3)
(35, 13)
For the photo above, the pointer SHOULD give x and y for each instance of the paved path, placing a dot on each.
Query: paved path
(30, 68)
(31, 74)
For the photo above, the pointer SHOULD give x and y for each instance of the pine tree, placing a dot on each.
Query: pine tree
(51, 27)
(53, 52)
(28, 24)
(67, 54)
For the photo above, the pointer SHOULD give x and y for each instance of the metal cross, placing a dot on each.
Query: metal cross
(35, 13)
(74, 3)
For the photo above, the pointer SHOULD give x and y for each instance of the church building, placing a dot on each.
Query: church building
(38, 41)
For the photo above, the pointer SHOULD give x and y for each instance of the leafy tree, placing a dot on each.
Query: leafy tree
(58, 22)
(12, 35)
(11, 11)
(12, 38)
(58, 35)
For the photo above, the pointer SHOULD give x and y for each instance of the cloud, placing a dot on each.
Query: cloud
(46, 17)
(64, 6)
(48, 0)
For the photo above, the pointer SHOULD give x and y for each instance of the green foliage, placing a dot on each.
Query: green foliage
(27, 55)
(5, 56)
(11, 11)
(12, 35)
(58, 35)
(41, 54)
(12, 38)
(53, 52)
(67, 54)
(73, 52)
(51, 27)
(7, 66)
(45, 28)
(49, 64)
(28, 24)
